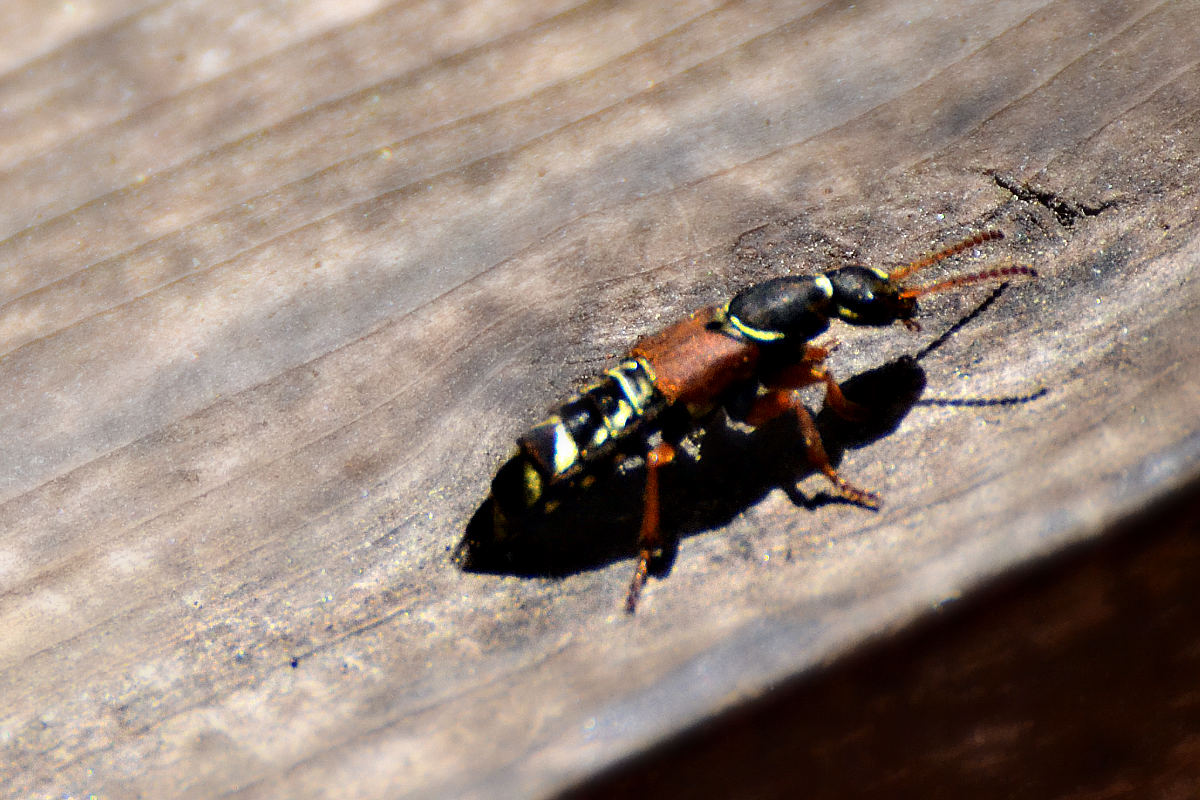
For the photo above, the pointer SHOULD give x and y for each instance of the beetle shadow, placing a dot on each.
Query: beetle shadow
(705, 489)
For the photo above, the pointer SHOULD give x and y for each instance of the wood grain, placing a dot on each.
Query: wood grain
(281, 281)
(1074, 678)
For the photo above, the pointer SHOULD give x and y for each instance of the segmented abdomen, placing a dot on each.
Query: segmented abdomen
(589, 426)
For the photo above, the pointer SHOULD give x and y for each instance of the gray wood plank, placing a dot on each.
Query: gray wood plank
(281, 282)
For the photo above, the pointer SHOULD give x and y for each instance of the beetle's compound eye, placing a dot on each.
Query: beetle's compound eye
(866, 296)
(791, 307)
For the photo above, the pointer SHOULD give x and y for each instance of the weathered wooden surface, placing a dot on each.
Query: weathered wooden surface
(1076, 678)
(282, 281)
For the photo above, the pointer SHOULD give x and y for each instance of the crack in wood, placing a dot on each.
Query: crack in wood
(1065, 210)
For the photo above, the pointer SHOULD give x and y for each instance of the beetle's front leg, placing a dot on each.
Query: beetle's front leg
(811, 369)
(779, 401)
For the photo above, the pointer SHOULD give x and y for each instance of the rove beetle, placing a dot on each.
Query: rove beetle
(749, 357)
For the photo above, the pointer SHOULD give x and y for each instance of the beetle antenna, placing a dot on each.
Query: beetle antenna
(974, 277)
(943, 254)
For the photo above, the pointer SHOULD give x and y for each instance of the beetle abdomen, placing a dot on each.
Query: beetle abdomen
(586, 429)
(589, 426)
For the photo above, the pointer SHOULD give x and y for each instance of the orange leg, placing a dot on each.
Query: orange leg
(650, 535)
(779, 401)
(846, 409)
(811, 369)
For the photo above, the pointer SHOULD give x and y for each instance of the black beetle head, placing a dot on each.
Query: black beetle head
(865, 296)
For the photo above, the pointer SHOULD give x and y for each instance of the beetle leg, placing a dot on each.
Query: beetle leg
(779, 401)
(811, 369)
(828, 345)
(846, 409)
(650, 535)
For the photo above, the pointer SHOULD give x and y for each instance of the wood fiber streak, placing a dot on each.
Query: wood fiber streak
(281, 282)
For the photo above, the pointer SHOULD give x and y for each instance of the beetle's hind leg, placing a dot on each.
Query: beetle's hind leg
(650, 542)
